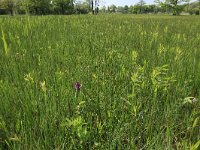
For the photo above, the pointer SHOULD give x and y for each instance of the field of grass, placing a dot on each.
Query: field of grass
(139, 76)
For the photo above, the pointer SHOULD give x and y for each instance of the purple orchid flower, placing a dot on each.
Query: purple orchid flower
(78, 86)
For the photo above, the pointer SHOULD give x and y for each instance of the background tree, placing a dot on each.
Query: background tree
(9, 5)
(172, 4)
(120, 9)
(40, 7)
(152, 8)
(194, 8)
(63, 6)
(90, 5)
(187, 5)
(113, 8)
(24, 6)
(94, 6)
(103, 9)
(126, 8)
(141, 3)
(81, 7)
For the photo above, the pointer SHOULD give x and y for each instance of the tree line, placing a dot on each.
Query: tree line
(44, 7)
(174, 7)
(63, 7)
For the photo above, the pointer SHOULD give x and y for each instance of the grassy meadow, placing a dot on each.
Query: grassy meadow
(139, 76)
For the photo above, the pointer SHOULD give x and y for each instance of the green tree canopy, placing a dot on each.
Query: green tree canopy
(63, 6)
(172, 4)
(9, 5)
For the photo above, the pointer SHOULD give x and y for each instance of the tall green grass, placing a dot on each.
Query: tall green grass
(140, 79)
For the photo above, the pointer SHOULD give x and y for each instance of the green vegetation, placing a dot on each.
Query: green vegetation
(44, 7)
(140, 78)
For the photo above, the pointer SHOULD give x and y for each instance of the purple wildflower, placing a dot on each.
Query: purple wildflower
(78, 86)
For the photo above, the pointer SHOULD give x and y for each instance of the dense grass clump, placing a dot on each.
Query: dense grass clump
(139, 76)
